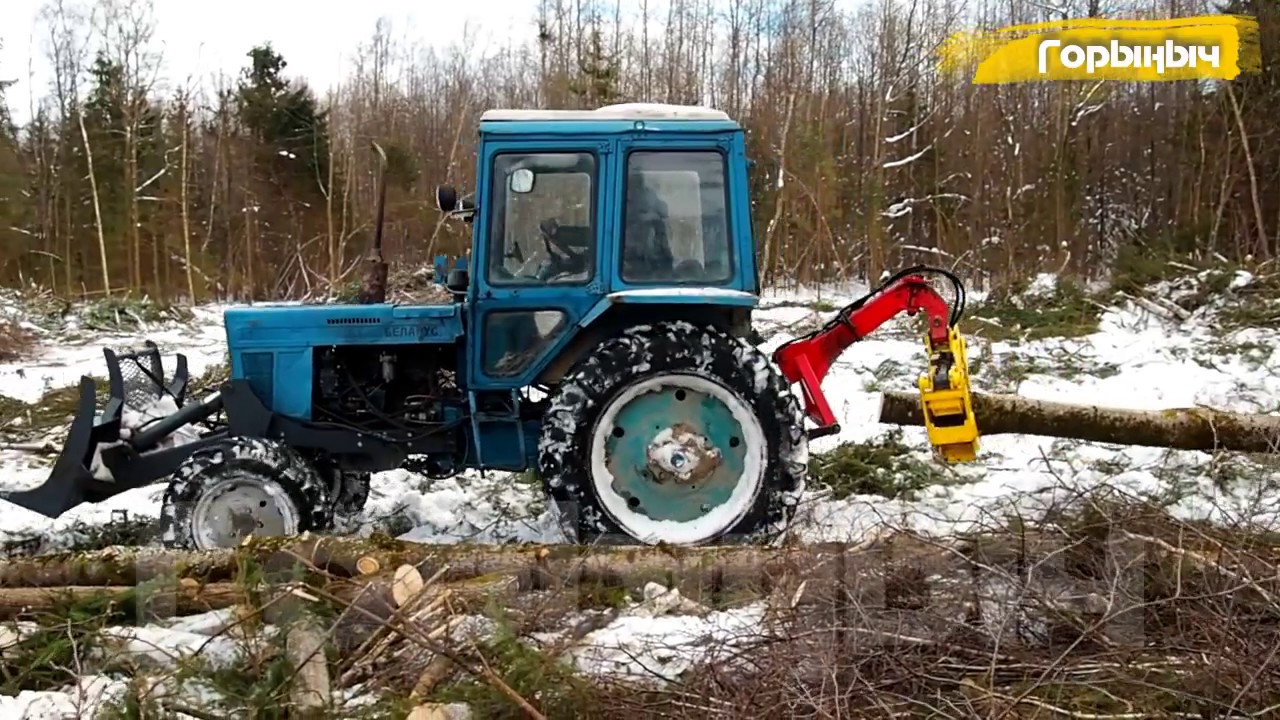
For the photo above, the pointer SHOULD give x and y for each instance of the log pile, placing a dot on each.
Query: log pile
(387, 622)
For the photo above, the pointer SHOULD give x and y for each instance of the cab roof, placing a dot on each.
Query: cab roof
(623, 112)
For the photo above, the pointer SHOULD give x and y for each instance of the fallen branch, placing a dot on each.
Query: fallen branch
(482, 671)
(1157, 306)
(38, 448)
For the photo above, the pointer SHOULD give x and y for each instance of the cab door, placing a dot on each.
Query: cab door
(540, 259)
(685, 219)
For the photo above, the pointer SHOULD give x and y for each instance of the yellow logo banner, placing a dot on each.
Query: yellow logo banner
(1193, 48)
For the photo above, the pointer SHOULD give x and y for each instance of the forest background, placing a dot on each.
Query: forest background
(126, 181)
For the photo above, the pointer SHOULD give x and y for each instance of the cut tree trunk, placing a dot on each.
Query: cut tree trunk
(18, 602)
(373, 594)
(712, 568)
(310, 690)
(1176, 428)
(714, 576)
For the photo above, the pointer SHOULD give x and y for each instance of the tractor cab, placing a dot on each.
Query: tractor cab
(588, 219)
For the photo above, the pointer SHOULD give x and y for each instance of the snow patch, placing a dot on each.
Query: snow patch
(665, 635)
(89, 697)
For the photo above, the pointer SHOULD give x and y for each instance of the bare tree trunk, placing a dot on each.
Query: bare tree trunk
(186, 207)
(536, 566)
(331, 240)
(1179, 428)
(131, 199)
(97, 206)
(1264, 248)
(768, 257)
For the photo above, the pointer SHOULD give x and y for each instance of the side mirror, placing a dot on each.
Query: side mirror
(521, 181)
(446, 198)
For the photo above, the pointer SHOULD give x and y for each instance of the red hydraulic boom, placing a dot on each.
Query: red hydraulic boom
(944, 391)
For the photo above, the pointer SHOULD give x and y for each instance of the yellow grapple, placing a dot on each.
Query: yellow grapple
(946, 403)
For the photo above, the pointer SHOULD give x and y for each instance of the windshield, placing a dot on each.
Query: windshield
(544, 235)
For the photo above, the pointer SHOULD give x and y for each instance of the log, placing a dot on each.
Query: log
(406, 584)
(439, 711)
(304, 645)
(532, 582)
(29, 601)
(1176, 428)
(437, 672)
(373, 594)
(701, 574)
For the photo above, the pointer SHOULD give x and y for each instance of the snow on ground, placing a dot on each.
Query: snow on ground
(87, 699)
(663, 636)
(71, 352)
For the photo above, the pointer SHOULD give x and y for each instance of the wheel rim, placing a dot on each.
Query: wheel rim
(677, 459)
(237, 507)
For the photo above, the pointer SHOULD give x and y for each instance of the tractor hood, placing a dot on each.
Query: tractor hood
(293, 327)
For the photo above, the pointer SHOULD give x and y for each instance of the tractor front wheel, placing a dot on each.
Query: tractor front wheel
(676, 434)
(240, 487)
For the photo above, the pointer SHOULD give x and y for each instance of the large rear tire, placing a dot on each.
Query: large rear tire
(240, 487)
(676, 434)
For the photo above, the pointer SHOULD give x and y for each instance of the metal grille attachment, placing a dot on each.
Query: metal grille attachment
(143, 376)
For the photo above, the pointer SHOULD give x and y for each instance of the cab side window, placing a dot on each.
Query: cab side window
(542, 225)
(676, 218)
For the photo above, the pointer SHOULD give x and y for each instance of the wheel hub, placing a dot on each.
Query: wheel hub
(676, 452)
(679, 454)
(234, 509)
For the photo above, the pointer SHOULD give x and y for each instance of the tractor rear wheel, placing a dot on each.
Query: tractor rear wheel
(676, 434)
(240, 487)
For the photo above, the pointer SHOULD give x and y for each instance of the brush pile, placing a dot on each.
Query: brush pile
(1112, 608)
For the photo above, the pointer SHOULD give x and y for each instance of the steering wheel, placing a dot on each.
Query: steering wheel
(525, 269)
(558, 263)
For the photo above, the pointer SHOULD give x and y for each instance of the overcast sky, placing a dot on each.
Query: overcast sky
(316, 37)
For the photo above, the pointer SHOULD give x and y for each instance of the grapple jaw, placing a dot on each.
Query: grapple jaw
(135, 380)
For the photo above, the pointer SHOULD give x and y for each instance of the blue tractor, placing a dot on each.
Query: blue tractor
(599, 334)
